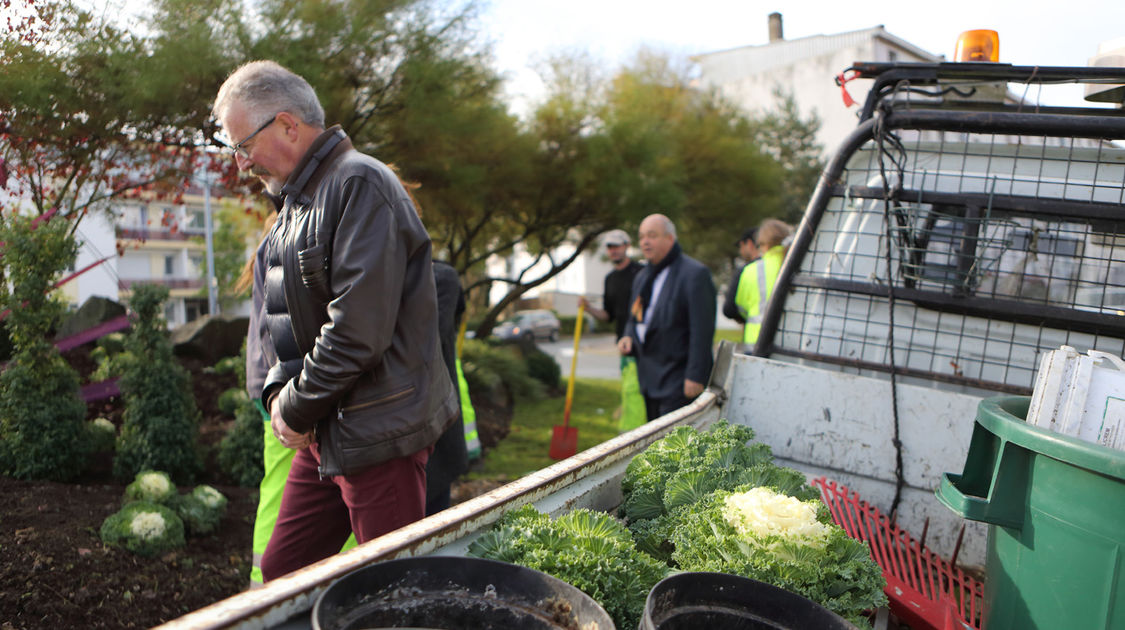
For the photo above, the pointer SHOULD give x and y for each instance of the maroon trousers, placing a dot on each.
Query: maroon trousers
(317, 515)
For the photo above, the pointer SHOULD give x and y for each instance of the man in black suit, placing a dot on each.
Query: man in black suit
(672, 320)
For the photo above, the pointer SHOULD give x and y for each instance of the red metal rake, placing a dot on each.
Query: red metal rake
(924, 589)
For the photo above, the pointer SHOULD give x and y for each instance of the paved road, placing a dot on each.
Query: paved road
(597, 356)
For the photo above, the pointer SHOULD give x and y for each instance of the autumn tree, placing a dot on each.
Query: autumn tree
(791, 140)
(602, 154)
(90, 111)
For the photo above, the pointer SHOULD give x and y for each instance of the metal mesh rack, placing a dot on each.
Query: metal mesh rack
(975, 250)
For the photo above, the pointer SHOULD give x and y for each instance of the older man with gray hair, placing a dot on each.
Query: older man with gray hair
(350, 309)
(672, 324)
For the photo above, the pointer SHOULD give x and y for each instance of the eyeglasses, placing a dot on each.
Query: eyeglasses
(240, 147)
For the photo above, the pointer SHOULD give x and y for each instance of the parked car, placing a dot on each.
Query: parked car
(534, 324)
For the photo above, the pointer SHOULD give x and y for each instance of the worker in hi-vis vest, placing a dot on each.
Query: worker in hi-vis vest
(468, 414)
(756, 282)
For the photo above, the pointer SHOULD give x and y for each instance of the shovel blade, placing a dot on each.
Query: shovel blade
(564, 442)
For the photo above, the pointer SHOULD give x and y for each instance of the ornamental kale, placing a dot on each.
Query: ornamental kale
(152, 486)
(143, 528)
(713, 501)
(687, 466)
(773, 538)
(589, 550)
(201, 510)
(101, 434)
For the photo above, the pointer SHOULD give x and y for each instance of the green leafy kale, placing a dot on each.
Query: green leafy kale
(201, 510)
(836, 572)
(590, 550)
(143, 528)
(153, 486)
(687, 466)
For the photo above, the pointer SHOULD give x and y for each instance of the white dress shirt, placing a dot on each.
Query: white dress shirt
(657, 285)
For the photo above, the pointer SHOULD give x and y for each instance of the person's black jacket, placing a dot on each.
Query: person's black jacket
(730, 305)
(450, 458)
(351, 310)
(679, 336)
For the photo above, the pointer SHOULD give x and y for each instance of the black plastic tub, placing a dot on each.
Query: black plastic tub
(720, 601)
(454, 593)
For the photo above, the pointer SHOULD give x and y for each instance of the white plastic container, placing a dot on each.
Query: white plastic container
(1081, 395)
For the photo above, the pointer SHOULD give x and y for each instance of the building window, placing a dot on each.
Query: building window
(197, 265)
(169, 265)
(196, 221)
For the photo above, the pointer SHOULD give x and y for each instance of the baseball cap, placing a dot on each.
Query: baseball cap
(615, 237)
(749, 234)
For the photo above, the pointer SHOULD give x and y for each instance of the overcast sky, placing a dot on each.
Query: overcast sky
(1032, 32)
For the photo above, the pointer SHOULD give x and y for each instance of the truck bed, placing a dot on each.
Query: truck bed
(591, 479)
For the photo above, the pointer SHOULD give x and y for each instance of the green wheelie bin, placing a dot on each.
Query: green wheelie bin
(1055, 506)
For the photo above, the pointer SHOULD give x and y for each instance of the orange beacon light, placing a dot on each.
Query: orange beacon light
(978, 45)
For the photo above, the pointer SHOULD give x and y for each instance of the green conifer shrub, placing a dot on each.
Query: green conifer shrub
(161, 421)
(42, 429)
(240, 452)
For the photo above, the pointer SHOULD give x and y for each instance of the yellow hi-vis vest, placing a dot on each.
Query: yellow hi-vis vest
(755, 285)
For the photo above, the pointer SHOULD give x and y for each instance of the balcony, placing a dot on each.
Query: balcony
(145, 234)
(172, 283)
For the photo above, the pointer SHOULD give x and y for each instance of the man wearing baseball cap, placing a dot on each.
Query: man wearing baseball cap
(618, 284)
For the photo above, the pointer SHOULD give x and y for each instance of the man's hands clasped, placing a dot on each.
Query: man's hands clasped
(288, 437)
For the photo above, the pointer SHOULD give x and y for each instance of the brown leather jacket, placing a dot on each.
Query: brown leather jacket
(351, 310)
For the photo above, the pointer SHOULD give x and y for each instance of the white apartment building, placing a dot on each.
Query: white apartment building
(806, 68)
(147, 242)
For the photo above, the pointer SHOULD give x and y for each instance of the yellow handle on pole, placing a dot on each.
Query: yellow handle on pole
(573, 362)
(461, 334)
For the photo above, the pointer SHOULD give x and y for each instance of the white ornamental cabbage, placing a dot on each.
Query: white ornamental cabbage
(762, 513)
(147, 525)
(210, 497)
(143, 528)
(154, 484)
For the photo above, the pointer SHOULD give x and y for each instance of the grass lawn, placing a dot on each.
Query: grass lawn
(525, 449)
(595, 404)
(734, 336)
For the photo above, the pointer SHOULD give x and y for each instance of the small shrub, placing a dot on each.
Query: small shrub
(201, 510)
(230, 400)
(240, 452)
(143, 528)
(150, 486)
(101, 433)
(227, 365)
(566, 325)
(42, 417)
(161, 421)
(112, 344)
(109, 365)
(487, 367)
(543, 368)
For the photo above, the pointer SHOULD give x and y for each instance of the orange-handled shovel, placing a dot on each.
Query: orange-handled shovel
(564, 439)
